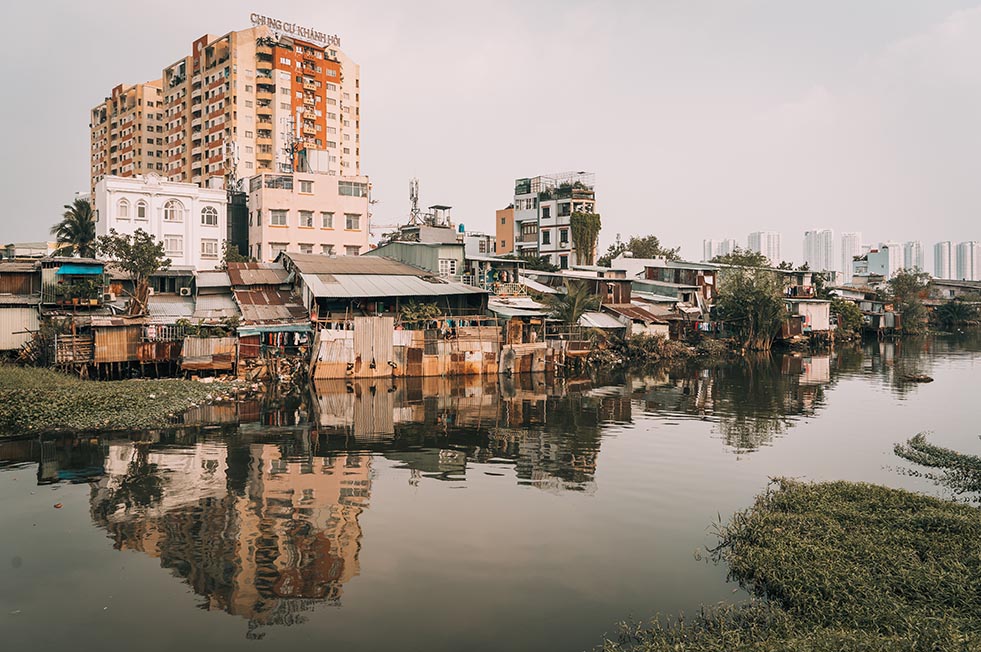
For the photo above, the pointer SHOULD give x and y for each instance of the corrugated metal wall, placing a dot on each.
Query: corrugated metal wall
(117, 344)
(13, 321)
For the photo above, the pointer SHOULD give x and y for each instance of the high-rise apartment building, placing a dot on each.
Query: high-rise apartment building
(543, 209)
(713, 248)
(126, 133)
(851, 246)
(709, 249)
(942, 257)
(766, 243)
(969, 261)
(245, 103)
(819, 249)
(913, 255)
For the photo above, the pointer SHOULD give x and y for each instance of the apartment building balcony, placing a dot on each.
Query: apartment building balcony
(309, 130)
(196, 79)
(196, 94)
(308, 100)
(263, 140)
(217, 158)
(196, 123)
(526, 238)
(196, 151)
(309, 86)
(309, 114)
(265, 95)
(264, 109)
(263, 49)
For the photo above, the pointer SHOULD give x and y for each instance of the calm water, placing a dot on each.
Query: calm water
(436, 515)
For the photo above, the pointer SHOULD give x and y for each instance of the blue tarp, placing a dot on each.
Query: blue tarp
(74, 269)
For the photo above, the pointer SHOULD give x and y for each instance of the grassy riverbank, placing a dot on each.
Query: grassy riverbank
(40, 400)
(839, 566)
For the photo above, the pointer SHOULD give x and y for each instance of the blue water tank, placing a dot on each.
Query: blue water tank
(461, 229)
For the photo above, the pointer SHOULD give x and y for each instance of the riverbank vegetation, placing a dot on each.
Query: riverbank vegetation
(839, 566)
(34, 401)
(958, 472)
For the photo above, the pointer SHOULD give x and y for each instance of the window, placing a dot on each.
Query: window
(352, 250)
(306, 219)
(277, 218)
(327, 220)
(174, 245)
(141, 210)
(248, 104)
(546, 237)
(564, 236)
(352, 188)
(248, 134)
(503, 220)
(173, 211)
(209, 216)
(447, 266)
(504, 244)
(275, 248)
(327, 250)
(306, 186)
(563, 262)
(306, 248)
(565, 209)
(122, 209)
(352, 221)
(546, 212)
(209, 248)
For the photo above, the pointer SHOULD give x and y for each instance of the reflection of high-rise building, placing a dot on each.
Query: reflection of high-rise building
(766, 243)
(258, 534)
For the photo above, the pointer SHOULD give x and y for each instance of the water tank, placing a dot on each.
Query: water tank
(461, 229)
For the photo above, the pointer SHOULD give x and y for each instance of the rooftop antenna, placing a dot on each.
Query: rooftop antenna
(415, 217)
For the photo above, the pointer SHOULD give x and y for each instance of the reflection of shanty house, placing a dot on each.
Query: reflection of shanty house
(258, 535)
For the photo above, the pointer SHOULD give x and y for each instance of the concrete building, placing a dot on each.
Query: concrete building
(307, 213)
(713, 248)
(236, 106)
(819, 248)
(850, 247)
(886, 260)
(766, 243)
(942, 260)
(913, 255)
(191, 221)
(543, 208)
(709, 247)
(969, 261)
(504, 222)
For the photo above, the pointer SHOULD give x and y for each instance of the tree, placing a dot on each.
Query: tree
(569, 307)
(955, 314)
(230, 254)
(75, 232)
(648, 246)
(742, 258)
(140, 256)
(906, 289)
(535, 263)
(849, 315)
(750, 301)
(585, 229)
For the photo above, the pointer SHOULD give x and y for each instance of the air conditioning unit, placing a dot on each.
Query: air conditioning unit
(185, 292)
(149, 291)
(108, 297)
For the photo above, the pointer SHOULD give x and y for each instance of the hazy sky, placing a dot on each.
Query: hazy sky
(700, 119)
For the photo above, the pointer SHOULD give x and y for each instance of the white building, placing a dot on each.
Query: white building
(543, 208)
(709, 249)
(766, 243)
(942, 258)
(191, 221)
(851, 246)
(913, 255)
(969, 261)
(819, 249)
(307, 213)
(886, 260)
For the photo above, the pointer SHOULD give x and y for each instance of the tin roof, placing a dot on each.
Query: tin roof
(345, 286)
(599, 320)
(20, 299)
(213, 279)
(169, 306)
(269, 304)
(18, 266)
(363, 265)
(215, 306)
(633, 312)
(256, 274)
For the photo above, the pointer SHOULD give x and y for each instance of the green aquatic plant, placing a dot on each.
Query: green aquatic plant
(959, 472)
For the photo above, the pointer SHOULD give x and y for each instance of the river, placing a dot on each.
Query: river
(511, 514)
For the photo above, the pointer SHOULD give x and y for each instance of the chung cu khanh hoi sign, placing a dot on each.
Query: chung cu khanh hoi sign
(295, 29)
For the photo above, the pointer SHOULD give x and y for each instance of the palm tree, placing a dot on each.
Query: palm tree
(955, 313)
(569, 307)
(76, 230)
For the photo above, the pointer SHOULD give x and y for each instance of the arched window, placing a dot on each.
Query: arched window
(141, 210)
(122, 209)
(173, 211)
(209, 216)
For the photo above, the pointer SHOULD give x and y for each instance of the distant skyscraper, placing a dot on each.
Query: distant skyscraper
(969, 261)
(766, 243)
(913, 255)
(819, 249)
(851, 246)
(708, 250)
(893, 261)
(726, 247)
(713, 248)
(942, 260)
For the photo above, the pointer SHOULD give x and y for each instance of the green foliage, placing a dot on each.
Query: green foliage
(648, 246)
(585, 228)
(958, 472)
(226, 327)
(849, 315)
(906, 289)
(140, 256)
(955, 314)
(751, 303)
(413, 311)
(41, 400)
(535, 263)
(75, 233)
(569, 307)
(743, 258)
(230, 254)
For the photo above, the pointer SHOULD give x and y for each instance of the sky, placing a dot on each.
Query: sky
(699, 119)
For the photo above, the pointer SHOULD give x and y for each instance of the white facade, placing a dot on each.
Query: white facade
(819, 249)
(713, 248)
(969, 261)
(307, 213)
(543, 208)
(851, 246)
(886, 260)
(913, 255)
(766, 243)
(191, 221)
(942, 257)
(708, 250)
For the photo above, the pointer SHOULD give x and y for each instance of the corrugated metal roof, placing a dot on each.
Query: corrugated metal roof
(346, 286)
(269, 304)
(215, 306)
(18, 266)
(536, 286)
(20, 299)
(599, 320)
(633, 312)
(213, 279)
(363, 265)
(256, 274)
(512, 311)
(651, 297)
(163, 305)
